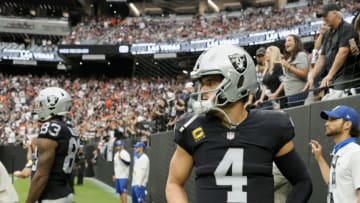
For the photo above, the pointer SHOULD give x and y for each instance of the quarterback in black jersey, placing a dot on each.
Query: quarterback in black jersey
(57, 145)
(230, 148)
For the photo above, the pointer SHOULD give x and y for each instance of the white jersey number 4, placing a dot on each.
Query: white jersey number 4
(234, 159)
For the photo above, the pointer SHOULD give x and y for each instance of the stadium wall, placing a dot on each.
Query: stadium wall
(13, 157)
(308, 125)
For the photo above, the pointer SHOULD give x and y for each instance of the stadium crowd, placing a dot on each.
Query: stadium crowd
(121, 107)
(173, 28)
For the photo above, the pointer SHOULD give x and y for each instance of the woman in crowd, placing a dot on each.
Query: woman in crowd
(272, 80)
(296, 67)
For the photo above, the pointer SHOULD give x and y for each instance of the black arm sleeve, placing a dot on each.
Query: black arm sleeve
(125, 162)
(294, 169)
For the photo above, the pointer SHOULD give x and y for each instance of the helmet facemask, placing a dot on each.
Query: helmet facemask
(216, 99)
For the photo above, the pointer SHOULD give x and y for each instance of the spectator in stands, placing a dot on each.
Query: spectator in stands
(273, 76)
(140, 173)
(159, 115)
(107, 148)
(120, 130)
(143, 127)
(130, 130)
(179, 109)
(172, 112)
(260, 61)
(316, 94)
(296, 68)
(186, 96)
(94, 158)
(260, 67)
(317, 44)
(146, 29)
(335, 58)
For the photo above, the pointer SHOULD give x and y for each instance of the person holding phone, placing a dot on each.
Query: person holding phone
(335, 63)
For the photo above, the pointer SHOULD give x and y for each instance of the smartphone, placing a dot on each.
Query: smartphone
(353, 47)
(352, 42)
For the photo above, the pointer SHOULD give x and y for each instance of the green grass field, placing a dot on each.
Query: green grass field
(88, 193)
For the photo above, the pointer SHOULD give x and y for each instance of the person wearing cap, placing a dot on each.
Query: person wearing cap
(343, 177)
(260, 67)
(185, 96)
(335, 63)
(140, 173)
(121, 170)
(260, 59)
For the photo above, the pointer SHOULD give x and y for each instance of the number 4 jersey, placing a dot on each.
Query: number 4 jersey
(66, 137)
(235, 165)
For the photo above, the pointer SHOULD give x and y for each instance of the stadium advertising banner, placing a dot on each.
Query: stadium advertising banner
(92, 49)
(39, 26)
(27, 55)
(246, 39)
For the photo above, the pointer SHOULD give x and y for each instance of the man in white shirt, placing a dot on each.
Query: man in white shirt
(140, 173)
(343, 176)
(121, 170)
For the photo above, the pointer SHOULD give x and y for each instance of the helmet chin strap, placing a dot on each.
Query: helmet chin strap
(232, 124)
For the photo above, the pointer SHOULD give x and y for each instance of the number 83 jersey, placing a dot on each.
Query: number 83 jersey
(235, 165)
(65, 154)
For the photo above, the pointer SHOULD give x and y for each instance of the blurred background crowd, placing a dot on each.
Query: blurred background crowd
(116, 107)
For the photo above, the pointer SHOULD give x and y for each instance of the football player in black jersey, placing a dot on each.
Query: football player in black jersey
(230, 148)
(57, 146)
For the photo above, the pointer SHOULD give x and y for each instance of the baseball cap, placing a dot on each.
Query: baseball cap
(189, 84)
(345, 112)
(140, 144)
(327, 8)
(260, 51)
(119, 143)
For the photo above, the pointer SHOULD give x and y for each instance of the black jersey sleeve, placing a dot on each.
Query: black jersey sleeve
(285, 130)
(184, 138)
(294, 169)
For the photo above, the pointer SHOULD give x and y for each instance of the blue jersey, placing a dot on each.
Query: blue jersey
(235, 165)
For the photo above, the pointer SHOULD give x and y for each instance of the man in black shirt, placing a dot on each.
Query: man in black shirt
(57, 146)
(335, 63)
